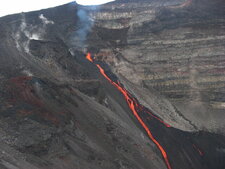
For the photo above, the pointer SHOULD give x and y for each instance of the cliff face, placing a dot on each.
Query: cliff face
(172, 50)
(53, 111)
(57, 110)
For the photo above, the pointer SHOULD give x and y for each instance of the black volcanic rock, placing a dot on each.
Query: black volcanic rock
(172, 50)
(58, 112)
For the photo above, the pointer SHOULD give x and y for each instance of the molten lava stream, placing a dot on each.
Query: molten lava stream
(131, 103)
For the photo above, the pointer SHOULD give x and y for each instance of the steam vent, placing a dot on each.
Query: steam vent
(131, 84)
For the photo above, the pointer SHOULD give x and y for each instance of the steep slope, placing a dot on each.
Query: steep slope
(168, 49)
(57, 110)
(53, 112)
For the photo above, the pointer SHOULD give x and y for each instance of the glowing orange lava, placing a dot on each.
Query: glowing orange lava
(132, 103)
(88, 57)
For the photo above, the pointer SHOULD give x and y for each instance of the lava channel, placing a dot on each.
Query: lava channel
(133, 104)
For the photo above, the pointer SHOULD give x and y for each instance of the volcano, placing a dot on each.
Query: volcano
(131, 84)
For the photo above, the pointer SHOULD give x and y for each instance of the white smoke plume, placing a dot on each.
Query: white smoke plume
(30, 32)
(45, 20)
(84, 24)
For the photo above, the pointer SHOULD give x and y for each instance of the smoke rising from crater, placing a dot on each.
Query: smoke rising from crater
(84, 26)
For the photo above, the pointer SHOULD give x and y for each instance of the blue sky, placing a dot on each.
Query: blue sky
(17, 6)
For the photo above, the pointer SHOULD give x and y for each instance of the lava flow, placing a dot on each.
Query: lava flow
(133, 104)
